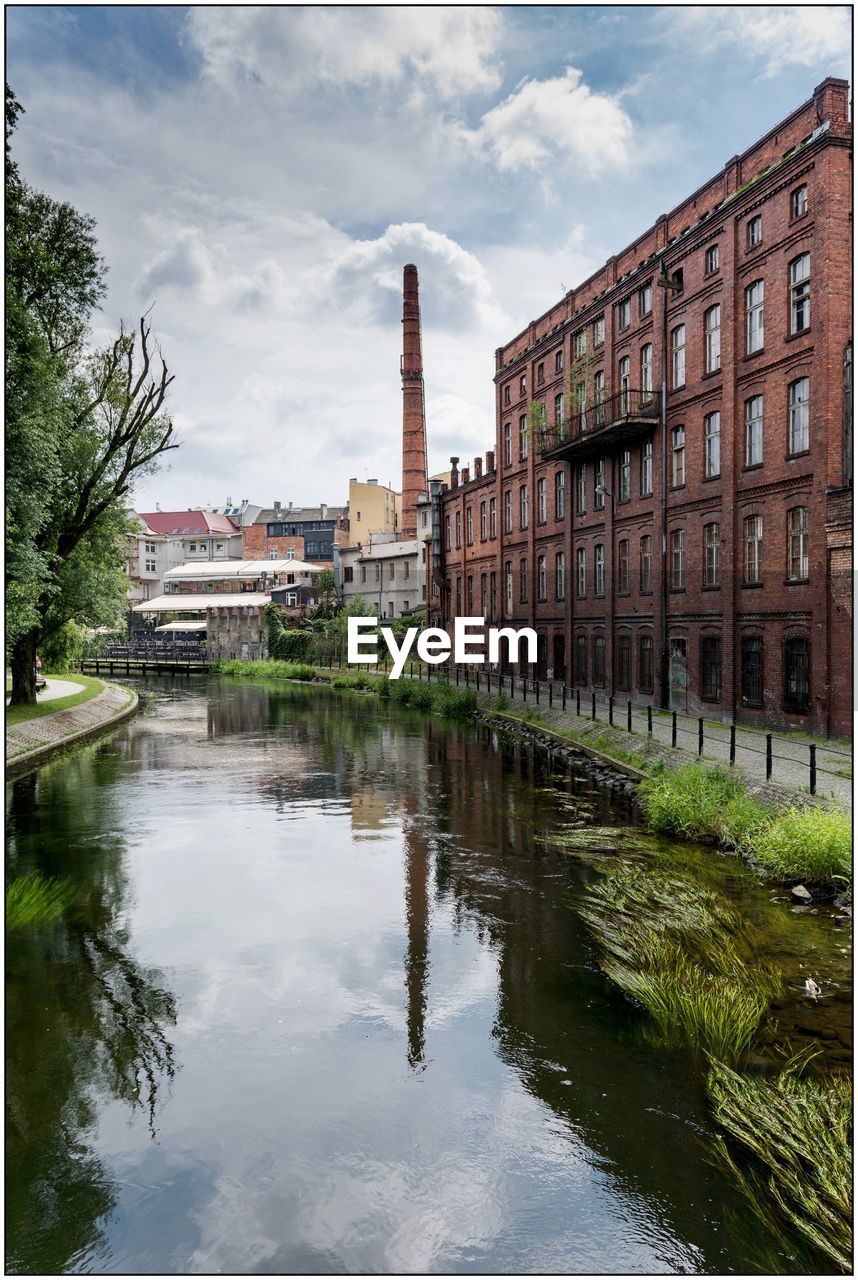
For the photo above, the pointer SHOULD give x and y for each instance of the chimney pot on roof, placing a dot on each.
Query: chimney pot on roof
(478, 467)
(466, 475)
(490, 460)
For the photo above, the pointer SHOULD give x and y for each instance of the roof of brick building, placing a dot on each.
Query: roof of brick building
(188, 522)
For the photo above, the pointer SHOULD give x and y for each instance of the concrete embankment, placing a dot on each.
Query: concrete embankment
(32, 742)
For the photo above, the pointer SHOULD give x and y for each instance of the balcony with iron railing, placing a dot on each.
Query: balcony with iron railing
(620, 419)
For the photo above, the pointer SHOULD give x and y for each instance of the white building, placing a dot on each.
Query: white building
(389, 575)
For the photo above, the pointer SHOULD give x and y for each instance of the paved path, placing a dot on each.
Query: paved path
(54, 729)
(58, 689)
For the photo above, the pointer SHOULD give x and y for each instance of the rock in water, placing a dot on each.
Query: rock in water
(800, 894)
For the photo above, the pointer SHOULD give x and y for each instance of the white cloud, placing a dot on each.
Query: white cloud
(777, 36)
(455, 293)
(544, 119)
(452, 49)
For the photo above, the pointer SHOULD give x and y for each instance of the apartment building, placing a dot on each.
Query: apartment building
(306, 533)
(669, 499)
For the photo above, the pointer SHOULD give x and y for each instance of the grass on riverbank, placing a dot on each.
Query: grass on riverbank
(812, 844)
(92, 686)
(793, 1135)
(680, 951)
(35, 899)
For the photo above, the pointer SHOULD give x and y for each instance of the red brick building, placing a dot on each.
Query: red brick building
(669, 501)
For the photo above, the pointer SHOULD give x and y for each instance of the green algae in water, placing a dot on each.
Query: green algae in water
(682, 952)
(792, 1133)
(36, 900)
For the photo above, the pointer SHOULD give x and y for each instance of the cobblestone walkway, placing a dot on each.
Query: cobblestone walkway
(52, 730)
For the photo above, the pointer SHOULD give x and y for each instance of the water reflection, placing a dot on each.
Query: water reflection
(84, 1018)
(397, 1051)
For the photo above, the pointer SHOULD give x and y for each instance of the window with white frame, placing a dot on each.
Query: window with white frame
(493, 517)
(581, 405)
(677, 356)
(599, 394)
(754, 431)
(712, 445)
(599, 569)
(581, 563)
(797, 540)
(598, 331)
(458, 528)
(507, 511)
(507, 578)
(558, 361)
(522, 437)
(711, 555)
(677, 559)
(753, 550)
(646, 468)
(580, 344)
(625, 475)
(711, 260)
(558, 409)
(522, 507)
(624, 313)
(623, 572)
(581, 488)
(599, 485)
(712, 327)
(645, 299)
(560, 576)
(560, 494)
(754, 317)
(646, 368)
(541, 584)
(469, 525)
(483, 522)
(799, 293)
(798, 202)
(755, 231)
(799, 415)
(507, 443)
(541, 501)
(677, 456)
(646, 563)
(625, 383)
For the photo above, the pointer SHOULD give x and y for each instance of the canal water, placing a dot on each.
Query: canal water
(322, 1004)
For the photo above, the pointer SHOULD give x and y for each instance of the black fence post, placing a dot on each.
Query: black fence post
(673, 729)
(813, 768)
(524, 687)
(478, 681)
(512, 688)
(611, 710)
(700, 736)
(577, 702)
(732, 744)
(536, 686)
(629, 720)
(768, 757)
(564, 697)
(649, 721)
(594, 706)
(550, 694)
(457, 677)
(467, 677)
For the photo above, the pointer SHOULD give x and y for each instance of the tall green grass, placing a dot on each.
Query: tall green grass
(793, 1135)
(811, 844)
(36, 899)
(680, 951)
(268, 668)
(701, 801)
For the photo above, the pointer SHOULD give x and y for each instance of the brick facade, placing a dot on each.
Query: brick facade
(739, 605)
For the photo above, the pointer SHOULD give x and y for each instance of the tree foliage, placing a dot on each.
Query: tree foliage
(82, 425)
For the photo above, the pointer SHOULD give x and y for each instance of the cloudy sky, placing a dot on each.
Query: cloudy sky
(263, 174)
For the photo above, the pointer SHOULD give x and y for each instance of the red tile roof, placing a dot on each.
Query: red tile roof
(188, 522)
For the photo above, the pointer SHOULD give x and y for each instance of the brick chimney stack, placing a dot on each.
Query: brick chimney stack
(414, 473)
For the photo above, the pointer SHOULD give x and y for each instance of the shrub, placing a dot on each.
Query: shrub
(803, 844)
(500, 703)
(794, 1134)
(699, 800)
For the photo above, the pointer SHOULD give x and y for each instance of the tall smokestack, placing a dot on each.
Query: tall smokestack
(414, 474)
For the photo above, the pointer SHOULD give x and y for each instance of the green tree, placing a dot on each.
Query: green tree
(82, 425)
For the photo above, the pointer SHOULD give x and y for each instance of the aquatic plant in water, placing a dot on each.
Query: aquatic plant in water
(794, 1134)
(36, 899)
(699, 800)
(681, 952)
(812, 844)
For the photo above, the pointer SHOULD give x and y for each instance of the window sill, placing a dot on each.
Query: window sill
(752, 355)
(796, 582)
(676, 591)
(679, 387)
(676, 488)
(712, 373)
(710, 698)
(799, 333)
(717, 587)
(802, 453)
(753, 466)
(751, 706)
(796, 711)
(752, 586)
(709, 479)
(645, 592)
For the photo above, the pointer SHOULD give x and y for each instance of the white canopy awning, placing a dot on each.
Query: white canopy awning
(220, 570)
(199, 604)
(182, 624)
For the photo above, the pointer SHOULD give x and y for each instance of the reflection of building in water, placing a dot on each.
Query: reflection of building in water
(369, 810)
(417, 864)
